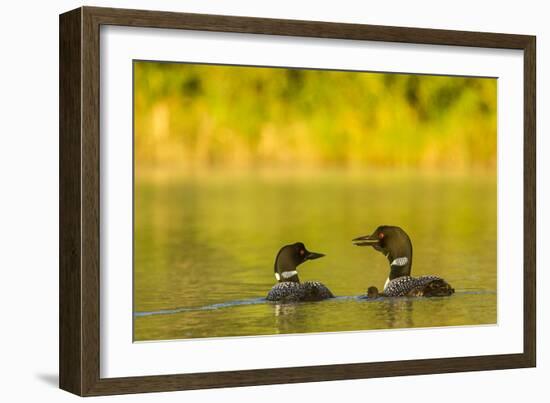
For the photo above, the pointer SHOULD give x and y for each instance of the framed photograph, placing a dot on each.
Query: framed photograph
(240, 199)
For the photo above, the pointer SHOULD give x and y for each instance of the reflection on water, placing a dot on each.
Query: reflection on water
(205, 247)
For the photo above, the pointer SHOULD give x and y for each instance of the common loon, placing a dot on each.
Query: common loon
(372, 292)
(396, 245)
(289, 288)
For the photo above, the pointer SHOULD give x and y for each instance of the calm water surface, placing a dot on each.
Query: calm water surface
(205, 248)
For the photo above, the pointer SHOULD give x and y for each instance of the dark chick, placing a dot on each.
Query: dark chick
(288, 287)
(396, 246)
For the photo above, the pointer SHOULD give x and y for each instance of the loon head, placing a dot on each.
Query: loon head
(289, 258)
(395, 244)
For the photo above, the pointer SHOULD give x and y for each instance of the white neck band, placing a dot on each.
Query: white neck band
(285, 275)
(400, 261)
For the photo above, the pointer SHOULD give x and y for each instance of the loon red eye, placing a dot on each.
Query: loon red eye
(302, 252)
(381, 235)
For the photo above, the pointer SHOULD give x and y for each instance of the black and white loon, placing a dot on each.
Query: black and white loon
(289, 288)
(396, 245)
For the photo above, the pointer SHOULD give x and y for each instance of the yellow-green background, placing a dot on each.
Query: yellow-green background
(198, 116)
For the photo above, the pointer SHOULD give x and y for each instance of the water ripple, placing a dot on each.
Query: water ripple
(256, 301)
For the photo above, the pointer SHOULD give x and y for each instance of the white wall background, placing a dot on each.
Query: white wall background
(29, 197)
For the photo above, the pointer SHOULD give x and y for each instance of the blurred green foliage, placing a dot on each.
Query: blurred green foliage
(206, 116)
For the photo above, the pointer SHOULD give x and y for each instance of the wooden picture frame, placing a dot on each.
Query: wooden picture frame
(79, 346)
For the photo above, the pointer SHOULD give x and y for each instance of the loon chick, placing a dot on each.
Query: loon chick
(396, 245)
(372, 292)
(289, 288)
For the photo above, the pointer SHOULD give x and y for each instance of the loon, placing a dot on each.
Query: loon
(396, 245)
(289, 288)
(373, 292)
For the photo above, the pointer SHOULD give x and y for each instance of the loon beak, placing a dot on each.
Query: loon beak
(313, 255)
(367, 240)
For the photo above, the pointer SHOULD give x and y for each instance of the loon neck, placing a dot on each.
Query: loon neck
(400, 265)
(399, 271)
(285, 276)
(293, 279)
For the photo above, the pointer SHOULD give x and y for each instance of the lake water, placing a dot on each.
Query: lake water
(205, 247)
